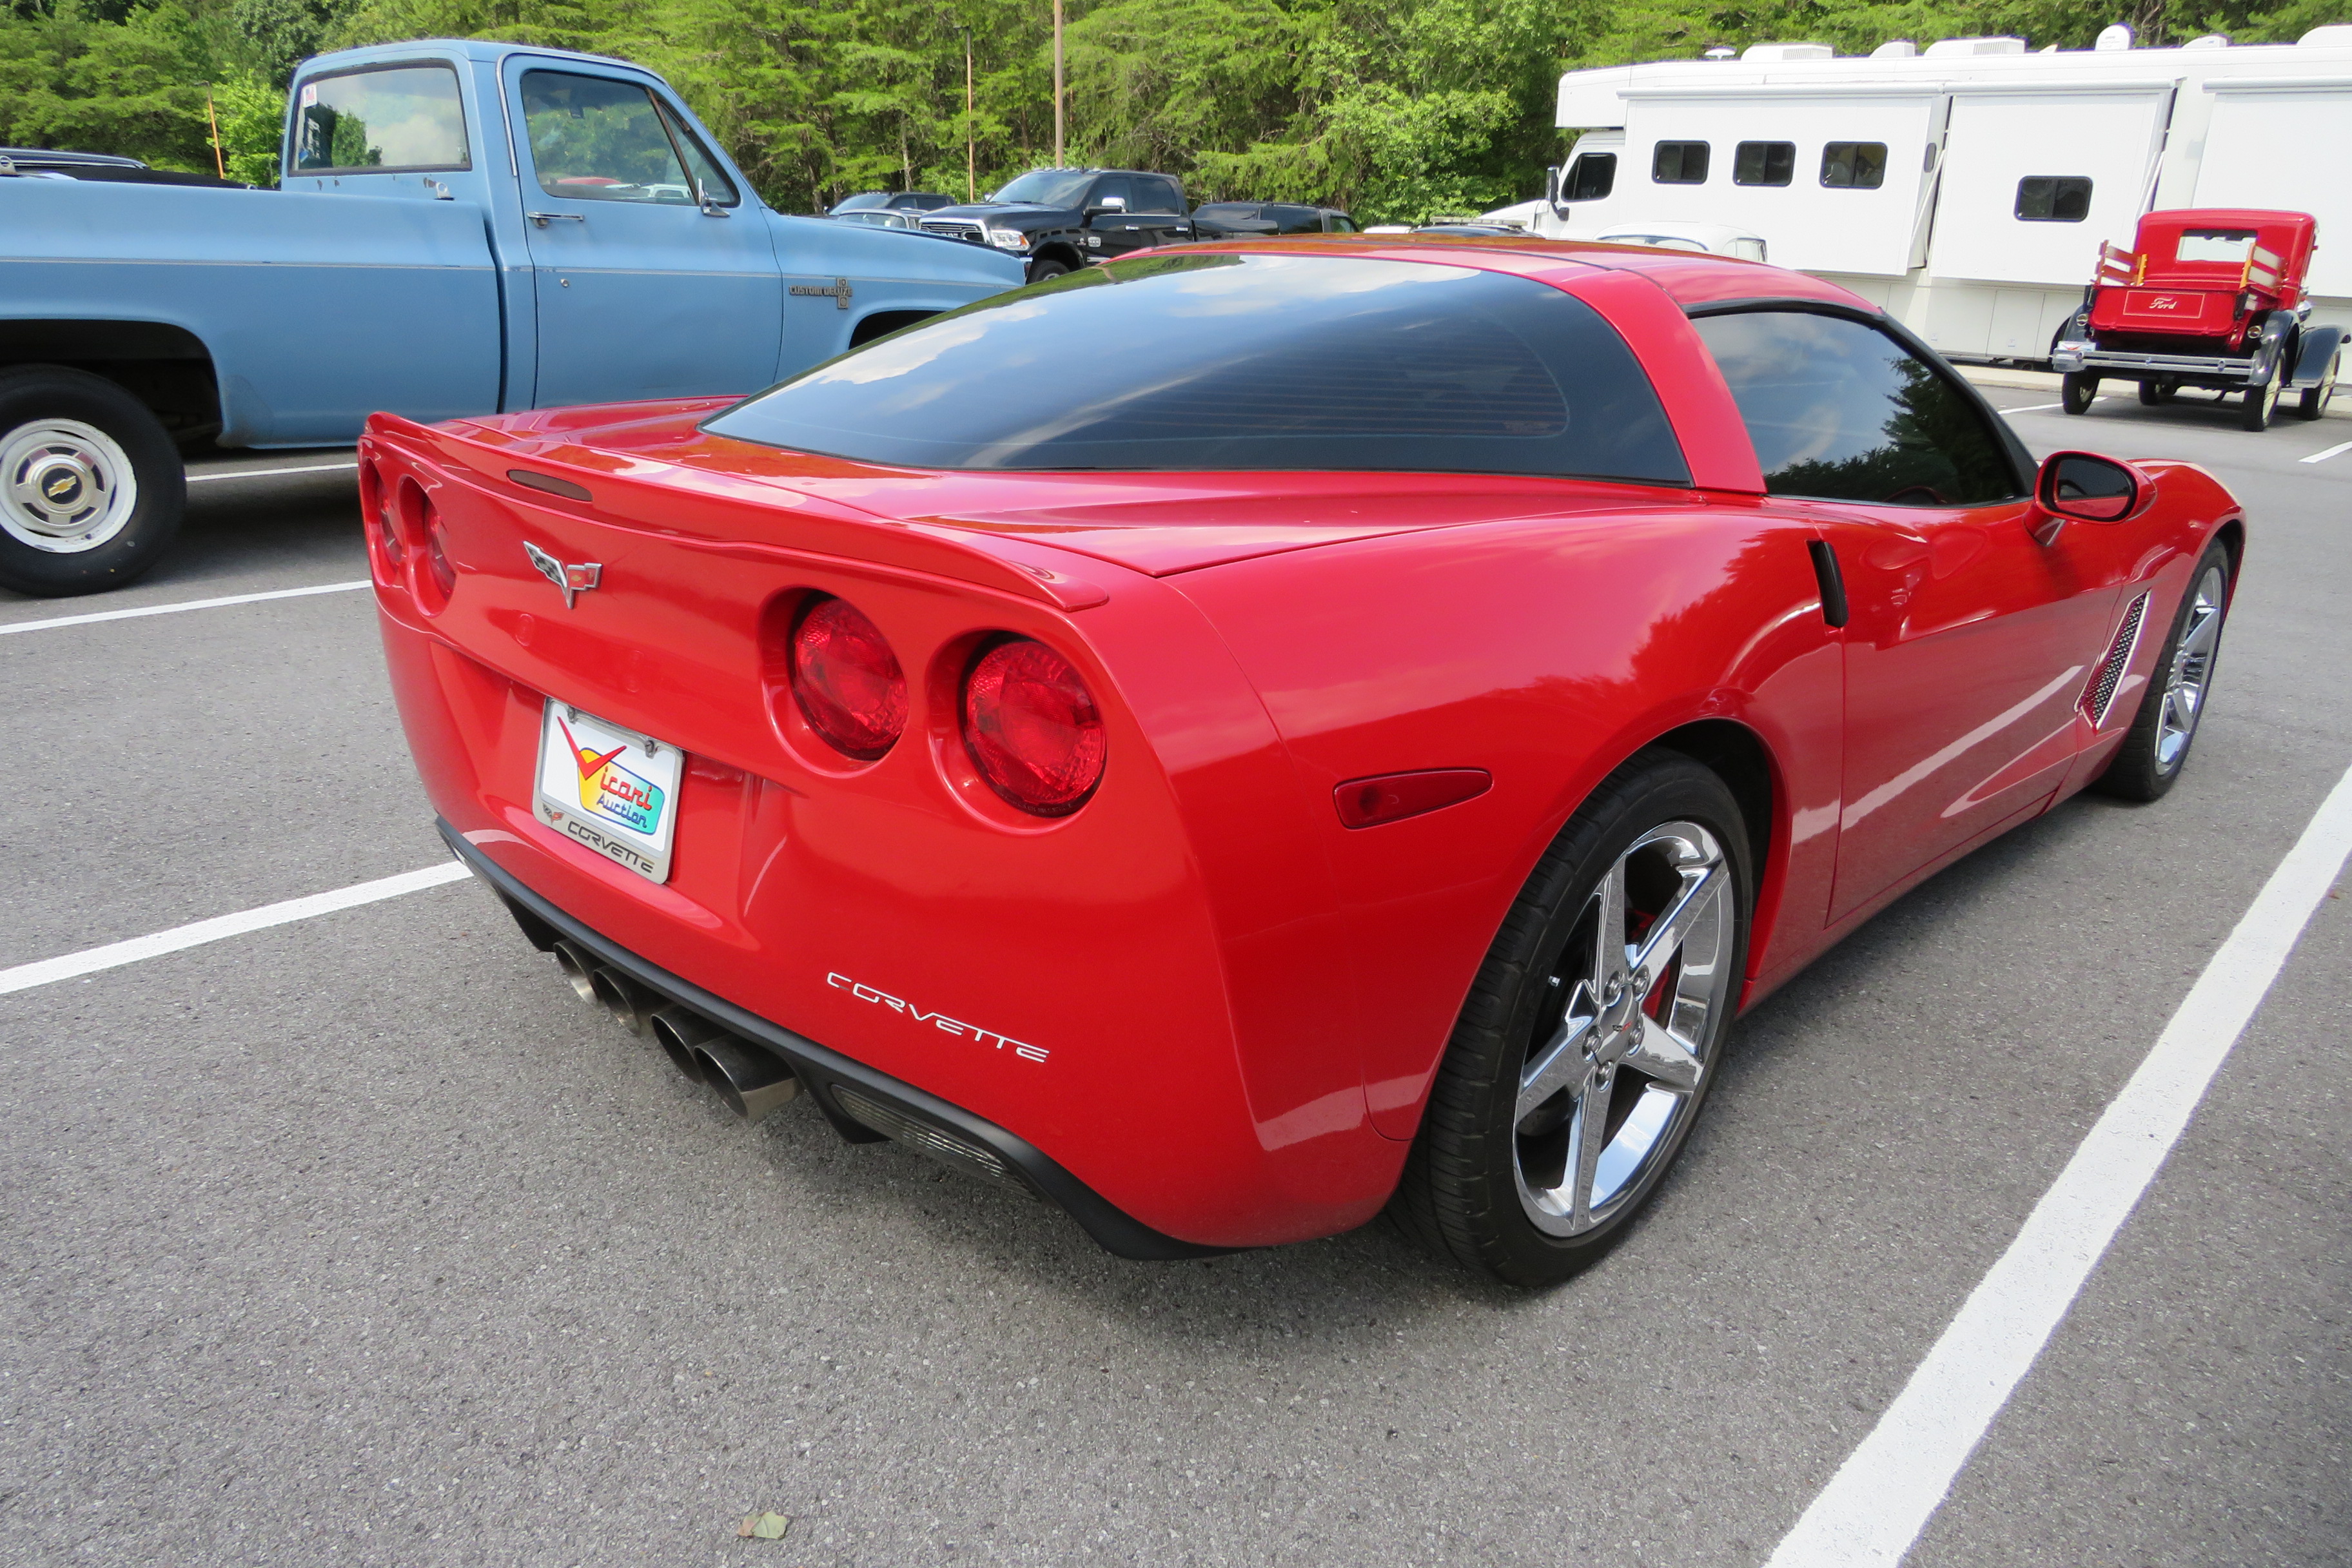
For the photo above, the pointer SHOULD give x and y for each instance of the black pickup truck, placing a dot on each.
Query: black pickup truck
(1058, 220)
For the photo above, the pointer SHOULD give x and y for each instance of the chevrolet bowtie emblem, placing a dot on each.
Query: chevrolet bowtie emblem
(572, 580)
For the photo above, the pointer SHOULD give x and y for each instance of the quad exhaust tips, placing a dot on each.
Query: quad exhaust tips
(752, 1081)
(578, 968)
(631, 1005)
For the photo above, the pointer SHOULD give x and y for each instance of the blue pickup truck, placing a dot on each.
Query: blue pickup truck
(460, 228)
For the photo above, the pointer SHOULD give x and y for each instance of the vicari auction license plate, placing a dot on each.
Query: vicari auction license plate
(611, 789)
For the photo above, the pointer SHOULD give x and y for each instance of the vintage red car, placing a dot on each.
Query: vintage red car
(2211, 297)
(1236, 738)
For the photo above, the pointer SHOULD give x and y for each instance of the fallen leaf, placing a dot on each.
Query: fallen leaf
(763, 1527)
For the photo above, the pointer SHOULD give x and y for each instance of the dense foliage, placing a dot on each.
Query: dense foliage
(1394, 109)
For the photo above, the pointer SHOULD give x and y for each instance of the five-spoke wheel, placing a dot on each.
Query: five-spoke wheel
(1593, 1031)
(2165, 725)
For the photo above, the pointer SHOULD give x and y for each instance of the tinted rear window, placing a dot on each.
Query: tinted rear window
(1233, 362)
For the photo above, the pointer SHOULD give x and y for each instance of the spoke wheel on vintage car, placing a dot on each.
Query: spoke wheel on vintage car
(2078, 390)
(2174, 701)
(90, 485)
(1592, 1033)
(2313, 401)
(2261, 402)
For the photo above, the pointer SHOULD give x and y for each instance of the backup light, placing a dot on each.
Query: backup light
(1033, 729)
(847, 682)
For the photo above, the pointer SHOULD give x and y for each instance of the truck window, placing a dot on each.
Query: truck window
(1590, 178)
(702, 165)
(1116, 187)
(1679, 164)
(1415, 367)
(1854, 165)
(1764, 164)
(596, 140)
(2053, 198)
(389, 118)
(1157, 196)
(1840, 411)
(1340, 223)
(2228, 246)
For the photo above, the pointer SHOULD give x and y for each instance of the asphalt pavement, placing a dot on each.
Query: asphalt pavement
(360, 1239)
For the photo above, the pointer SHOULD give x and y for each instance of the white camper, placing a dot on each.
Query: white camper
(1966, 188)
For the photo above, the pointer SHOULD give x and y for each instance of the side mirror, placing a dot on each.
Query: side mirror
(1552, 191)
(1107, 206)
(2088, 487)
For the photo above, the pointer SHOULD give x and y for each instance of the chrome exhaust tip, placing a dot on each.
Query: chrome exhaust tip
(677, 1030)
(577, 967)
(631, 1005)
(752, 1081)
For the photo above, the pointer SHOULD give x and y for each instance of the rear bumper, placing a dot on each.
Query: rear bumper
(2234, 369)
(824, 1072)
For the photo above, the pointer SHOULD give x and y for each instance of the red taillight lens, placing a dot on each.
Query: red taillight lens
(388, 529)
(1033, 729)
(845, 681)
(437, 556)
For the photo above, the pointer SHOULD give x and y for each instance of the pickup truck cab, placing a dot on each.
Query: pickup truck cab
(460, 228)
(1058, 220)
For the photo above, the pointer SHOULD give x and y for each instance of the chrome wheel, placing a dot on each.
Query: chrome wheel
(2186, 678)
(65, 487)
(1612, 1073)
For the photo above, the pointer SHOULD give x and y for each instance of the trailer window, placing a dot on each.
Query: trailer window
(376, 121)
(1590, 178)
(1409, 366)
(1854, 165)
(1679, 164)
(1764, 164)
(2231, 246)
(1840, 411)
(2053, 198)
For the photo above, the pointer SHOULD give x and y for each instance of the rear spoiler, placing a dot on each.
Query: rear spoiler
(698, 510)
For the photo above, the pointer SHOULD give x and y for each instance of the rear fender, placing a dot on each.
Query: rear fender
(2320, 345)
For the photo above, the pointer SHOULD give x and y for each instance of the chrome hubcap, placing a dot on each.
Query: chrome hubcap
(64, 486)
(1616, 1061)
(2191, 671)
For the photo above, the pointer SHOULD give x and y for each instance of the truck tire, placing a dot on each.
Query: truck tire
(2314, 401)
(2076, 390)
(2158, 390)
(1045, 267)
(91, 489)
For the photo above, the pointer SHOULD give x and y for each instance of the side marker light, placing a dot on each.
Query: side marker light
(1393, 797)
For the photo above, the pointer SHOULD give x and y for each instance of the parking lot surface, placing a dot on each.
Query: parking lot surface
(360, 1239)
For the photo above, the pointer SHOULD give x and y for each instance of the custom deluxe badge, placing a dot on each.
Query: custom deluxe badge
(610, 789)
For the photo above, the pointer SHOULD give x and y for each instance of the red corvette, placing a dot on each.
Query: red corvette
(1237, 737)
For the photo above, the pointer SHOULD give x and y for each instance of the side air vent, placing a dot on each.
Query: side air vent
(2101, 694)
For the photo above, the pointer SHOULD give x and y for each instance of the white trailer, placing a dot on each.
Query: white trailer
(1967, 188)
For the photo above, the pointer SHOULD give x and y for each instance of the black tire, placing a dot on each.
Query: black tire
(2156, 393)
(2261, 402)
(56, 479)
(2313, 401)
(2148, 765)
(1465, 1192)
(2075, 391)
(1045, 267)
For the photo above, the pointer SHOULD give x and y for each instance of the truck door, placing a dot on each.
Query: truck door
(1159, 211)
(656, 278)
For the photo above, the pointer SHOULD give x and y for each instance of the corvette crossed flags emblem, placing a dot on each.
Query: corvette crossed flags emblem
(572, 580)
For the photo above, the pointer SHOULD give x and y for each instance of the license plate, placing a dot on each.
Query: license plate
(613, 789)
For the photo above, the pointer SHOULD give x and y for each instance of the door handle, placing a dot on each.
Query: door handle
(543, 219)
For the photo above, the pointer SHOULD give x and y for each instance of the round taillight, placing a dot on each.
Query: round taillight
(388, 526)
(845, 681)
(437, 556)
(1033, 729)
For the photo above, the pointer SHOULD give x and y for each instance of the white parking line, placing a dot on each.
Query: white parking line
(97, 615)
(266, 473)
(2337, 450)
(2037, 408)
(115, 954)
(1883, 1496)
